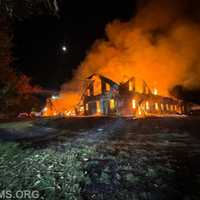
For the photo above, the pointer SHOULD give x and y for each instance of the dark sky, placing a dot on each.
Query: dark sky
(38, 40)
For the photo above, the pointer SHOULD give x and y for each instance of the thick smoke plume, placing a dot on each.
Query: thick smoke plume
(160, 45)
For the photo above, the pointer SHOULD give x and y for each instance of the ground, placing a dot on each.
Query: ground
(103, 157)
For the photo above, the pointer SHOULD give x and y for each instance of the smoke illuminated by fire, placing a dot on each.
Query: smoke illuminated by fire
(160, 45)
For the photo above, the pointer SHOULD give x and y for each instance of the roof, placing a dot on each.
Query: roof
(104, 78)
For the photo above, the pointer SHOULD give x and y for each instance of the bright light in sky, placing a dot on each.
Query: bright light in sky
(64, 48)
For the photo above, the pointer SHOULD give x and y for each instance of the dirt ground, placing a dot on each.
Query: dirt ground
(146, 158)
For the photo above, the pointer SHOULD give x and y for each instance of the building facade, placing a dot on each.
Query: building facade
(103, 96)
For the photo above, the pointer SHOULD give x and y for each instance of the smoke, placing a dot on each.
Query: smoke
(160, 45)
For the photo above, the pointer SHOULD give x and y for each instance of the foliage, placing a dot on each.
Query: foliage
(54, 174)
(8, 77)
(15, 89)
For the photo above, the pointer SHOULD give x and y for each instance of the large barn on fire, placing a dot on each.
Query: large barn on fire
(103, 96)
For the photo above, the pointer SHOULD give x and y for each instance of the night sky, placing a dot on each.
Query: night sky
(38, 40)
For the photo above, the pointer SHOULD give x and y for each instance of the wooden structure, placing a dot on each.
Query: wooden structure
(103, 96)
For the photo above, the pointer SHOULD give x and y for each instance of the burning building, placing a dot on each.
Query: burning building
(103, 96)
(160, 44)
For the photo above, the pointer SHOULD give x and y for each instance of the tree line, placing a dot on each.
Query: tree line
(16, 91)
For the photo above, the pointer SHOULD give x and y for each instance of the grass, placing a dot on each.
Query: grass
(126, 165)
(81, 172)
(54, 174)
(18, 126)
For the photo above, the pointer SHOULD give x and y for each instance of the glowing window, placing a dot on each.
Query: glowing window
(167, 106)
(130, 86)
(155, 91)
(162, 106)
(98, 107)
(156, 106)
(139, 111)
(134, 104)
(88, 92)
(97, 85)
(107, 87)
(112, 104)
(81, 109)
(86, 107)
(147, 105)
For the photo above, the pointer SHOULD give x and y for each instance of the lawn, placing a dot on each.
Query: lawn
(108, 159)
(56, 175)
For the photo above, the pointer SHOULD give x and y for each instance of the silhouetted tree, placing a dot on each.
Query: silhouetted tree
(16, 91)
(187, 94)
(8, 77)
